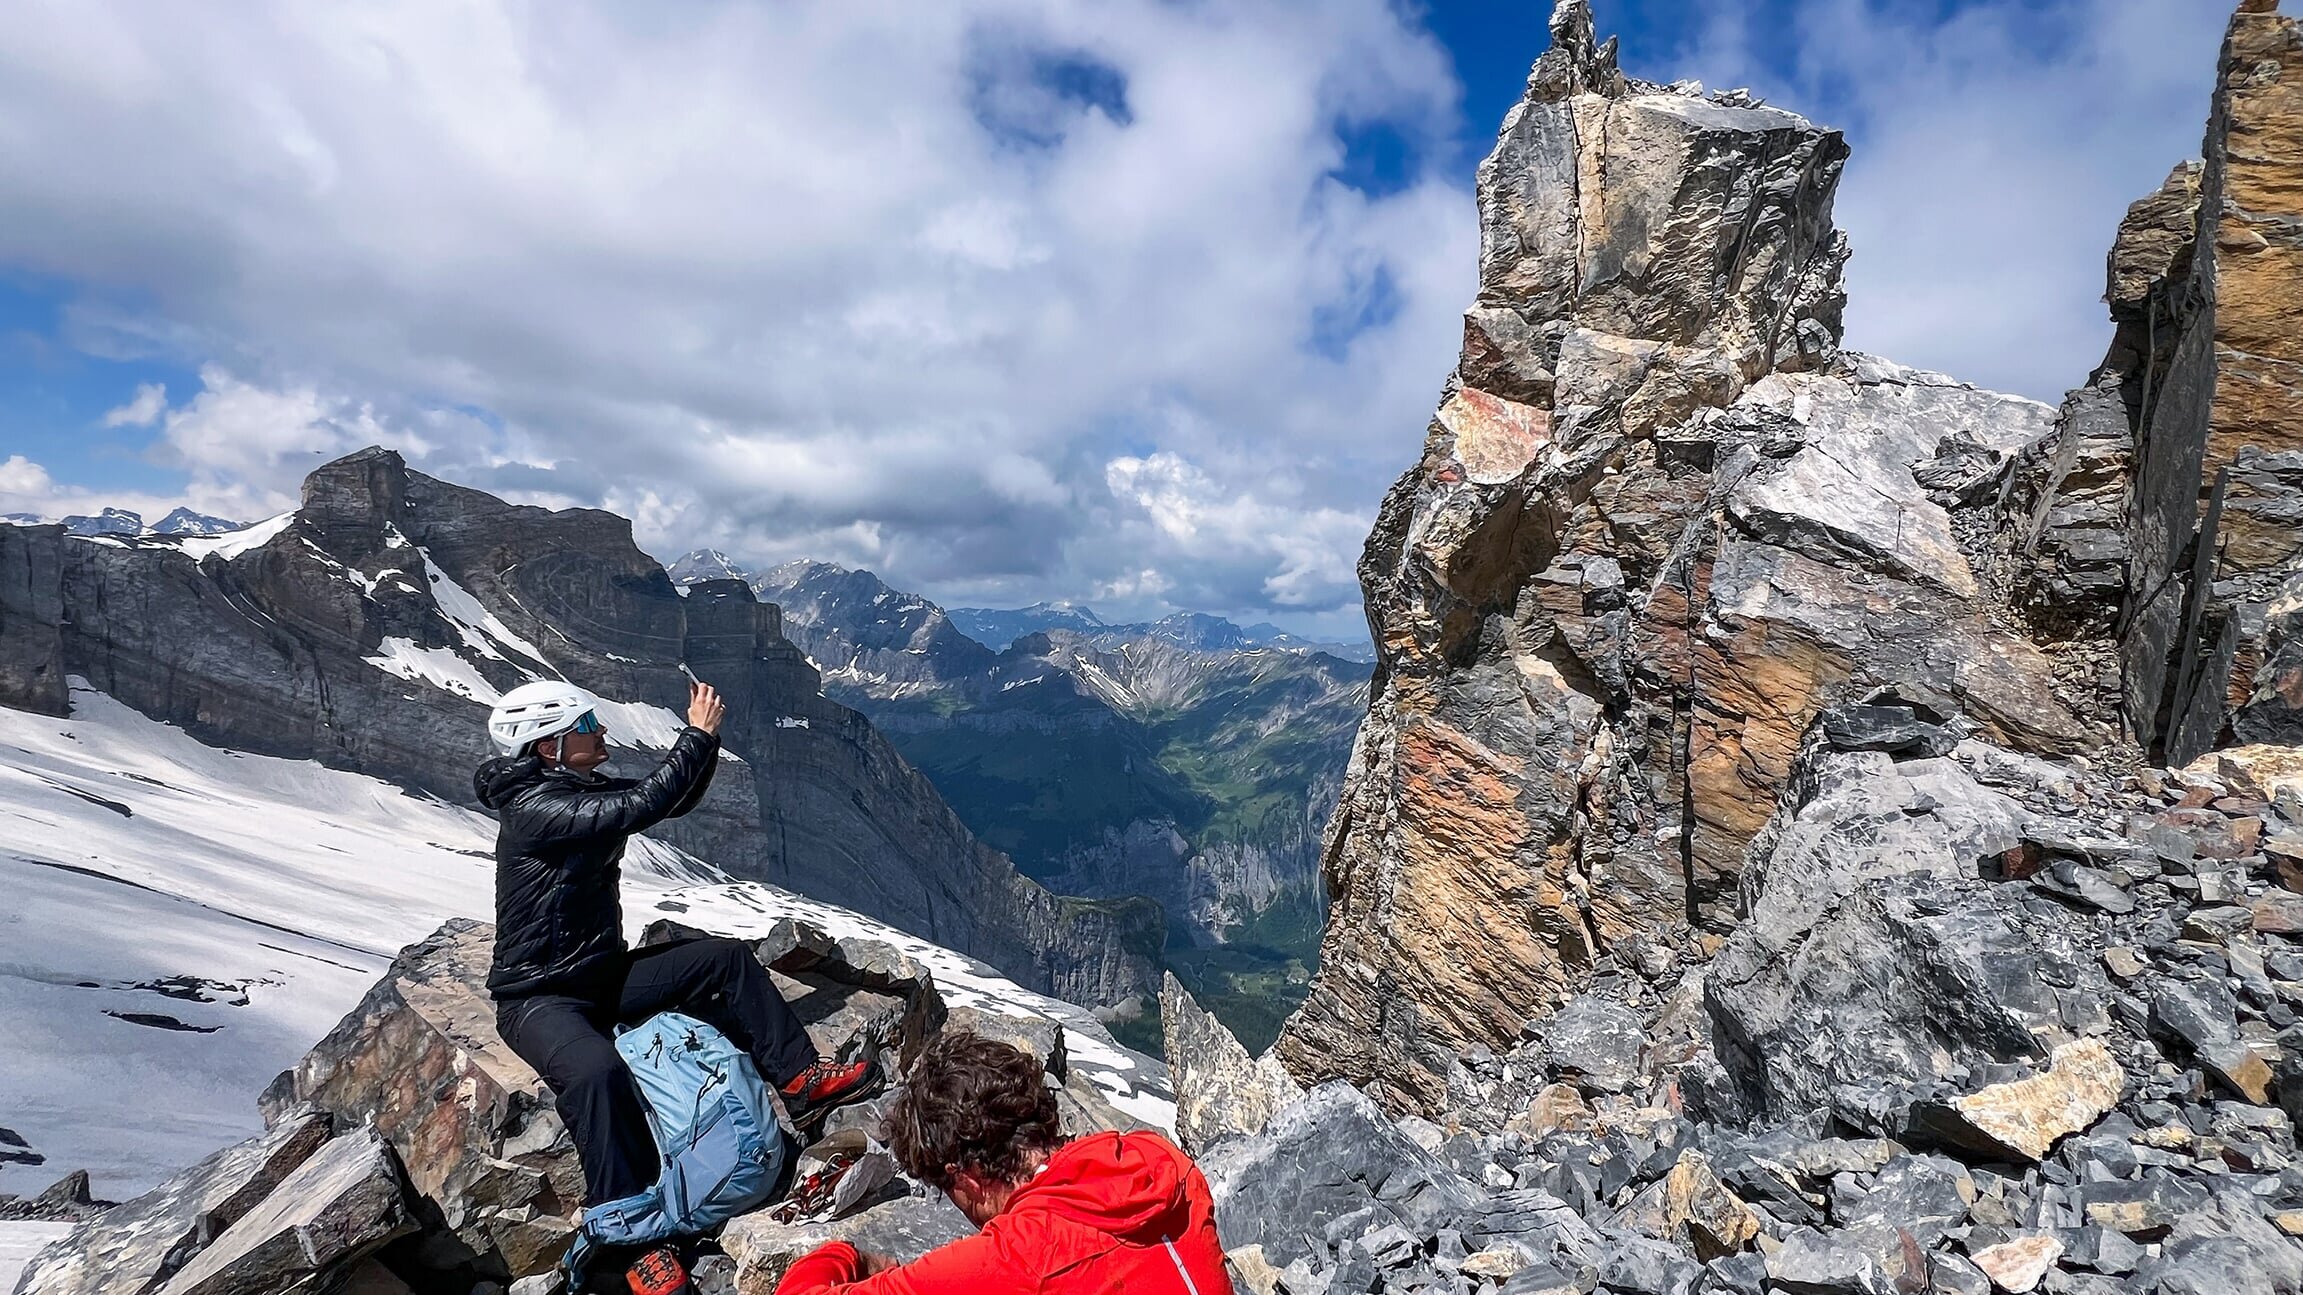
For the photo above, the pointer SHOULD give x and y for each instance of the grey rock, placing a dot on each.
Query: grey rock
(1894, 729)
(1953, 1275)
(141, 1244)
(1922, 1195)
(1542, 1279)
(2194, 1013)
(1811, 1263)
(1638, 1266)
(1327, 1156)
(903, 1228)
(1594, 1042)
(341, 1204)
(1875, 958)
(1220, 1090)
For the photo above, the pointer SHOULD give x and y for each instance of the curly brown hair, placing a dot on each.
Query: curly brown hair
(972, 1103)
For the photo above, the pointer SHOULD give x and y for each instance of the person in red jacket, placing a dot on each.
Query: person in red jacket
(1081, 1216)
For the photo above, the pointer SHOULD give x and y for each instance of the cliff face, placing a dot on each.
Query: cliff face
(368, 630)
(2216, 404)
(1660, 524)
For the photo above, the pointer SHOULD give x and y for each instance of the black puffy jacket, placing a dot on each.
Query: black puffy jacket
(559, 859)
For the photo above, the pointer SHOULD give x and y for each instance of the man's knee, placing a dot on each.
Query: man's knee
(733, 957)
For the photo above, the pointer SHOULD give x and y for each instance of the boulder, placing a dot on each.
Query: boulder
(2018, 1265)
(420, 1062)
(139, 1245)
(859, 992)
(342, 1203)
(1220, 1090)
(2025, 1117)
(1875, 956)
(903, 1228)
(1329, 1157)
(1702, 1213)
(1594, 1042)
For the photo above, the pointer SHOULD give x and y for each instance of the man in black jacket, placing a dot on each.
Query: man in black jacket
(562, 977)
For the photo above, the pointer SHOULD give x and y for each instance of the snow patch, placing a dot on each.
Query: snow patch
(439, 667)
(260, 898)
(232, 544)
(480, 628)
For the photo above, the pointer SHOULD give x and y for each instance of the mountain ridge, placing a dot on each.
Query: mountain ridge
(1119, 760)
(368, 629)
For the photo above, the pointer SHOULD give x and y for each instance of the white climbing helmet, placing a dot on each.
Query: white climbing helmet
(546, 708)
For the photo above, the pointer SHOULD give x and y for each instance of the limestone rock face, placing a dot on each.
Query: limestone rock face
(1660, 525)
(2213, 646)
(1220, 1089)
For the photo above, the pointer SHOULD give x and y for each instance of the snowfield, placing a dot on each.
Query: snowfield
(180, 923)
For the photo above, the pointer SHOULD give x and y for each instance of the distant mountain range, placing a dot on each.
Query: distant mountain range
(999, 627)
(120, 521)
(1187, 759)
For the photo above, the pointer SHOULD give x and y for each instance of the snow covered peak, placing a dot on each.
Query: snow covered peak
(699, 565)
(183, 521)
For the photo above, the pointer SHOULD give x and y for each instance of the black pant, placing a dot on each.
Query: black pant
(567, 1038)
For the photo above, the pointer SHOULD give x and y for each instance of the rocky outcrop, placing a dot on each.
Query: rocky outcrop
(1220, 1090)
(1661, 525)
(2214, 400)
(1998, 1023)
(143, 1243)
(449, 1168)
(368, 629)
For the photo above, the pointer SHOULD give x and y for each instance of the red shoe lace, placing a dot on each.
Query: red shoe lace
(657, 1272)
(822, 1072)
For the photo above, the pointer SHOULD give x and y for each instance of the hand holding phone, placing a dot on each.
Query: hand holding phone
(705, 709)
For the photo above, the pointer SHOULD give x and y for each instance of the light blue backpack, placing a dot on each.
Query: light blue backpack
(724, 1153)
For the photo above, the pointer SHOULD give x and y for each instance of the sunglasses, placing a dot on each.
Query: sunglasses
(588, 723)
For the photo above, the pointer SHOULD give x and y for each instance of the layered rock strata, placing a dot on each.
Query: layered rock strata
(2075, 1068)
(2210, 635)
(1660, 524)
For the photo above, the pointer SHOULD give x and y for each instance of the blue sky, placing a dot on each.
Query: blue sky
(1126, 302)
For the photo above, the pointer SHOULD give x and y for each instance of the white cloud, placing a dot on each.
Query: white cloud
(892, 281)
(1995, 151)
(248, 447)
(904, 286)
(142, 410)
(1303, 551)
(23, 480)
(28, 487)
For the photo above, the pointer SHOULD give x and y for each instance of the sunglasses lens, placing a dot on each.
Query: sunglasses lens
(588, 723)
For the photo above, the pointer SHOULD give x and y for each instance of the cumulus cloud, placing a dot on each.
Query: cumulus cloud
(1007, 299)
(142, 410)
(23, 480)
(1995, 148)
(796, 280)
(27, 488)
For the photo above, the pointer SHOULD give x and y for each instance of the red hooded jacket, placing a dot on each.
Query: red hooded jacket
(1112, 1212)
